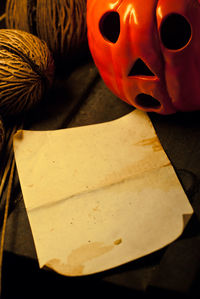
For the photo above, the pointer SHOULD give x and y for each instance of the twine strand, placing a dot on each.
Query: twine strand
(2, 17)
(7, 176)
(26, 70)
(8, 196)
(66, 20)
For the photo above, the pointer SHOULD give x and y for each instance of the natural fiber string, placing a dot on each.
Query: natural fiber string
(19, 10)
(66, 21)
(8, 158)
(26, 71)
(2, 17)
(8, 154)
(5, 174)
(5, 218)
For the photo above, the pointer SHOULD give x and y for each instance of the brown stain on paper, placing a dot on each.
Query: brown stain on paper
(118, 241)
(19, 134)
(154, 142)
(78, 257)
(154, 159)
(150, 163)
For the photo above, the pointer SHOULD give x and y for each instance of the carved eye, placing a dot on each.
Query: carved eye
(175, 32)
(109, 26)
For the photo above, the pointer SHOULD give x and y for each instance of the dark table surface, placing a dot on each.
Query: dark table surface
(79, 97)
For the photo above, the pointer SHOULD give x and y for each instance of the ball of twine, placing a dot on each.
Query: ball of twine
(26, 71)
(60, 23)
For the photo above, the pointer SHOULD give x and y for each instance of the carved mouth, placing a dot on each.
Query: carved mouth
(146, 101)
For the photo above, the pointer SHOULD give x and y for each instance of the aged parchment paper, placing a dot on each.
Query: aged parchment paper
(99, 196)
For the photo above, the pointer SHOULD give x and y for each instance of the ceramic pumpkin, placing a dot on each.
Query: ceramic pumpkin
(148, 52)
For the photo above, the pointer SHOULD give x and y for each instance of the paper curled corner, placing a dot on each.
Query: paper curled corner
(76, 260)
(19, 134)
(186, 219)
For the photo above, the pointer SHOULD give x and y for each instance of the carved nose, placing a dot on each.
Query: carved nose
(140, 69)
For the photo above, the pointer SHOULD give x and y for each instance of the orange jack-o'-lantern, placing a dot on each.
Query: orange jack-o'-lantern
(148, 52)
